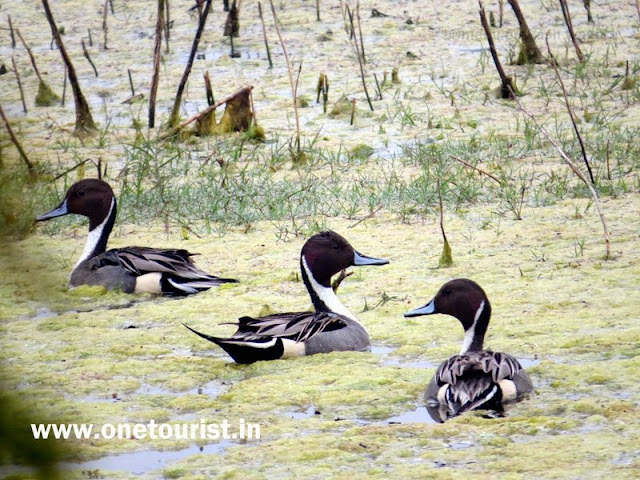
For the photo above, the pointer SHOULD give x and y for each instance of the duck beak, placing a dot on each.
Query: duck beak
(428, 309)
(59, 211)
(360, 260)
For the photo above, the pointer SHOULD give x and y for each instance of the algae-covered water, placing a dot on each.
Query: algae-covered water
(565, 311)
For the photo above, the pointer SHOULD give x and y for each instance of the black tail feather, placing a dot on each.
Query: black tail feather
(216, 340)
(245, 353)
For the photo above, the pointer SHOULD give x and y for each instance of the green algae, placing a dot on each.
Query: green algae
(90, 356)
(361, 151)
(446, 259)
(75, 350)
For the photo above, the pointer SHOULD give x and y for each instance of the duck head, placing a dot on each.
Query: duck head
(91, 197)
(465, 300)
(327, 253)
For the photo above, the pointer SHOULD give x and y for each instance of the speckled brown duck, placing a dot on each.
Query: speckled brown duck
(130, 269)
(476, 378)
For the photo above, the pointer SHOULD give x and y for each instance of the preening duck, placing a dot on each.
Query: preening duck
(332, 327)
(476, 378)
(131, 269)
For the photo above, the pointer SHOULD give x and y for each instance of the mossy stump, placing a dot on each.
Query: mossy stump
(45, 96)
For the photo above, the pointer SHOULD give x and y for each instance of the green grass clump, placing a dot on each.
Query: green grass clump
(45, 96)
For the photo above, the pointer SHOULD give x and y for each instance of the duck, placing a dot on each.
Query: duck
(169, 272)
(331, 327)
(476, 378)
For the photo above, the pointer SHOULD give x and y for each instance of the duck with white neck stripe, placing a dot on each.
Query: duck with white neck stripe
(332, 327)
(476, 378)
(130, 269)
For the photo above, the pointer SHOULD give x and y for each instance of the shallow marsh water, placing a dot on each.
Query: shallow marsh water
(558, 305)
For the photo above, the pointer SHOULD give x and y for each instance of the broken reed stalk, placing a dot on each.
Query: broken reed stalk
(13, 36)
(570, 110)
(298, 77)
(378, 89)
(232, 23)
(318, 10)
(500, 12)
(133, 90)
(209, 89)
(206, 111)
(174, 118)
(587, 6)
(15, 70)
(253, 110)
(506, 86)
(167, 25)
(232, 27)
(105, 28)
(71, 169)
(290, 70)
(353, 111)
(364, 58)
(84, 120)
(64, 87)
(529, 52)
(576, 170)
(638, 8)
(156, 64)
(359, 55)
(264, 34)
(325, 94)
(30, 167)
(90, 38)
(479, 170)
(31, 57)
(567, 20)
(338, 280)
(45, 96)
(446, 259)
(85, 52)
(323, 88)
(343, 11)
(607, 158)
(198, 7)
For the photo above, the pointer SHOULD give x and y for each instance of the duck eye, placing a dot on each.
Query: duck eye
(80, 193)
(447, 291)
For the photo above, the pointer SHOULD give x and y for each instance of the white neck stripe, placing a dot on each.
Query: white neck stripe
(469, 334)
(327, 295)
(94, 236)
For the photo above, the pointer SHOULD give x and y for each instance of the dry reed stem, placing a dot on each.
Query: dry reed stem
(290, 71)
(506, 88)
(479, 170)
(155, 79)
(570, 110)
(174, 118)
(16, 142)
(31, 57)
(567, 20)
(264, 35)
(15, 70)
(576, 170)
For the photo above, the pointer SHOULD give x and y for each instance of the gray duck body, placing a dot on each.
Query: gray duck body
(476, 378)
(130, 269)
(331, 327)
